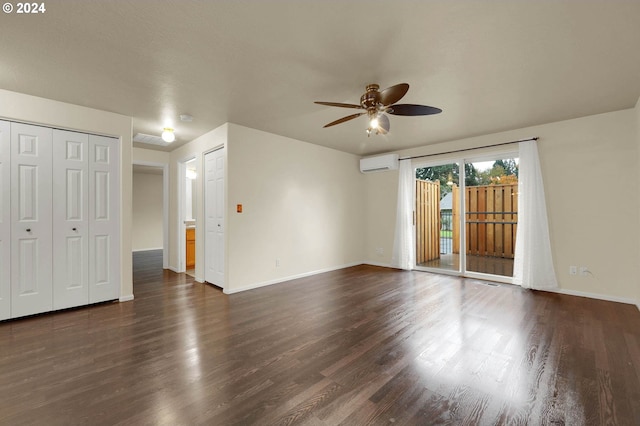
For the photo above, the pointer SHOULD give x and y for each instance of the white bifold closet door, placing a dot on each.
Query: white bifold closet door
(5, 220)
(85, 225)
(70, 219)
(31, 220)
(104, 222)
(59, 219)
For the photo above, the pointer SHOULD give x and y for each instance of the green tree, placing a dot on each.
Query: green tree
(508, 165)
(439, 173)
(471, 175)
(448, 171)
(502, 172)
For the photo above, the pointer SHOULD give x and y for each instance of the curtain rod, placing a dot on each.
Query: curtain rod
(469, 149)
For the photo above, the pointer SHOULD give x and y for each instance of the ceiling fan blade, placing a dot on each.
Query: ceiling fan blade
(343, 119)
(410, 109)
(393, 94)
(383, 124)
(337, 104)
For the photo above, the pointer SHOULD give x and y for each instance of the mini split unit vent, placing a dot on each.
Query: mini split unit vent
(379, 163)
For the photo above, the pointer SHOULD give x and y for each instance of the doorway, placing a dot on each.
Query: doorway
(189, 206)
(466, 216)
(150, 210)
(187, 176)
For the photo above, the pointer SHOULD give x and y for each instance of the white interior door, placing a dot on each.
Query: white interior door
(70, 219)
(214, 217)
(5, 220)
(31, 220)
(104, 223)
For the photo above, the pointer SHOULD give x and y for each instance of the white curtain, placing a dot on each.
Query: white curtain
(533, 264)
(403, 246)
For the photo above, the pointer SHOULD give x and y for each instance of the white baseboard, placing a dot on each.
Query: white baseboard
(594, 296)
(147, 249)
(126, 298)
(386, 265)
(198, 279)
(171, 268)
(289, 278)
(558, 290)
(382, 265)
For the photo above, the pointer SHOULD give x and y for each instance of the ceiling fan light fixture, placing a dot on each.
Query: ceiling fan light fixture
(168, 135)
(377, 104)
(373, 129)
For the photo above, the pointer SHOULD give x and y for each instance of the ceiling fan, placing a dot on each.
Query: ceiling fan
(379, 103)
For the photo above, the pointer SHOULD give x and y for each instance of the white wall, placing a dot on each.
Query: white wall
(31, 109)
(636, 280)
(302, 204)
(591, 179)
(143, 156)
(381, 193)
(147, 211)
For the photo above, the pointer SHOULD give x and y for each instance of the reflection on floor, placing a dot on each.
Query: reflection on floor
(191, 272)
(482, 264)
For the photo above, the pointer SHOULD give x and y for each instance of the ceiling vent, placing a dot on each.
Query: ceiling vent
(150, 139)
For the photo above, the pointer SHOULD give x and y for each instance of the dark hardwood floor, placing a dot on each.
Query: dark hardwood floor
(363, 345)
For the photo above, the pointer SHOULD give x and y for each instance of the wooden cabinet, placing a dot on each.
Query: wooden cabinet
(191, 248)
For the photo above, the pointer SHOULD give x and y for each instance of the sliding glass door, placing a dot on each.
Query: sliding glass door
(437, 217)
(491, 215)
(466, 217)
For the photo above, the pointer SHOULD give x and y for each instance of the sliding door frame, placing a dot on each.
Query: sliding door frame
(488, 155)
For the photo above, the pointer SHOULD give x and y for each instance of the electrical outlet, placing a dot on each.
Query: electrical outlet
(277, 263)
(573, 270)
(584, 271)
(379, 251)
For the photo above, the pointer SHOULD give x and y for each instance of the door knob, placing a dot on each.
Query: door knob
(28, 229)
(74, 229)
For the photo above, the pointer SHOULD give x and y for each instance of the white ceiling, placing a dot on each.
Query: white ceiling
(490, 65)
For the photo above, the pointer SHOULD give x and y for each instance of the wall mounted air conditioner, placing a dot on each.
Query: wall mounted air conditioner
(379, 163)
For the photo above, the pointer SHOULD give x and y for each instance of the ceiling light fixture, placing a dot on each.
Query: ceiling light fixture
(374, 123)
(168, 135)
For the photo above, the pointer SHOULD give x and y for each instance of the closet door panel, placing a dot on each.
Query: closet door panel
(104, 223)
(5, 220)
(31, 220)
(70, 219)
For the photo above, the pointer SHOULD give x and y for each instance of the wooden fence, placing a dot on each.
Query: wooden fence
(427, 221)
(490, 223)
